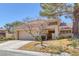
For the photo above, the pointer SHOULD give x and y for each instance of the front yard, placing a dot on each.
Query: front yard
(54, 46)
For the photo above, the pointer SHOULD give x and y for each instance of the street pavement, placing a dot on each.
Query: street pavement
(11, 53)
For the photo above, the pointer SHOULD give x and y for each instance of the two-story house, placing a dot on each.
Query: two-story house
(51, 29)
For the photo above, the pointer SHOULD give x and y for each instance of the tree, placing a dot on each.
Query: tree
(76, 20)
(10, 26)
(38, 28)
(17, 23)
(55, 10)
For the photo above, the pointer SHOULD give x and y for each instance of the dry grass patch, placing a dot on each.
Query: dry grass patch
(62, 42)
(54, 46)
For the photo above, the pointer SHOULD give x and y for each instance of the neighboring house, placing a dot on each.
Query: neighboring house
(9, 35)
(5, 33)
(65, 31)
(52, 29)
(2, 32)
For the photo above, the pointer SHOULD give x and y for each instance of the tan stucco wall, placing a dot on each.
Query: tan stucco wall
(56, 29)
(9, 35)
(66, 35)
(23, 35)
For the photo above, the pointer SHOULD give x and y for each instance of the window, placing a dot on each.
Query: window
(68, 31)
(62, 32)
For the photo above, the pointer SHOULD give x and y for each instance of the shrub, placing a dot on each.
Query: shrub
(10, 38)
(43, 37)
(73, 52)
(55, 49)
(39, 38)
(2, 38)
(74, 43)
(61, 37)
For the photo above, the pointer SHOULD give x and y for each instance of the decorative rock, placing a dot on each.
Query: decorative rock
(65, 54)
(55, 55)
(39, 45)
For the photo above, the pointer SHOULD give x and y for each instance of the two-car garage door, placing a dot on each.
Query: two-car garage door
(22, 35)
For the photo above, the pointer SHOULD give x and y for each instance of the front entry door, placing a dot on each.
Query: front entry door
(49, 36)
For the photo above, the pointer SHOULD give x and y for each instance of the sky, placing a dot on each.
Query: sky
(13, 12)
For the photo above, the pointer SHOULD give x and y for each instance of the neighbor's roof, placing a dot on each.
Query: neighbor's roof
(1, 28)
(66, 27)
(63, 24)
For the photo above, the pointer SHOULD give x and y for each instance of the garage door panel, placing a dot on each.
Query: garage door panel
(25, 36)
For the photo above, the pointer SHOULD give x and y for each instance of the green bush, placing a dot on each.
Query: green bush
(38, 38)
(74, 43)
(61, 37)
(2, 38)
(43, 37)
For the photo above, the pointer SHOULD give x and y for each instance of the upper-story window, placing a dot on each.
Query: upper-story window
(65, 32)
(69, 31)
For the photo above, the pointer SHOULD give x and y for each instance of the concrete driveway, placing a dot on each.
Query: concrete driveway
(13, 44)
(9, 48)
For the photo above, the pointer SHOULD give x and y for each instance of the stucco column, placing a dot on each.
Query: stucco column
(56, 32)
